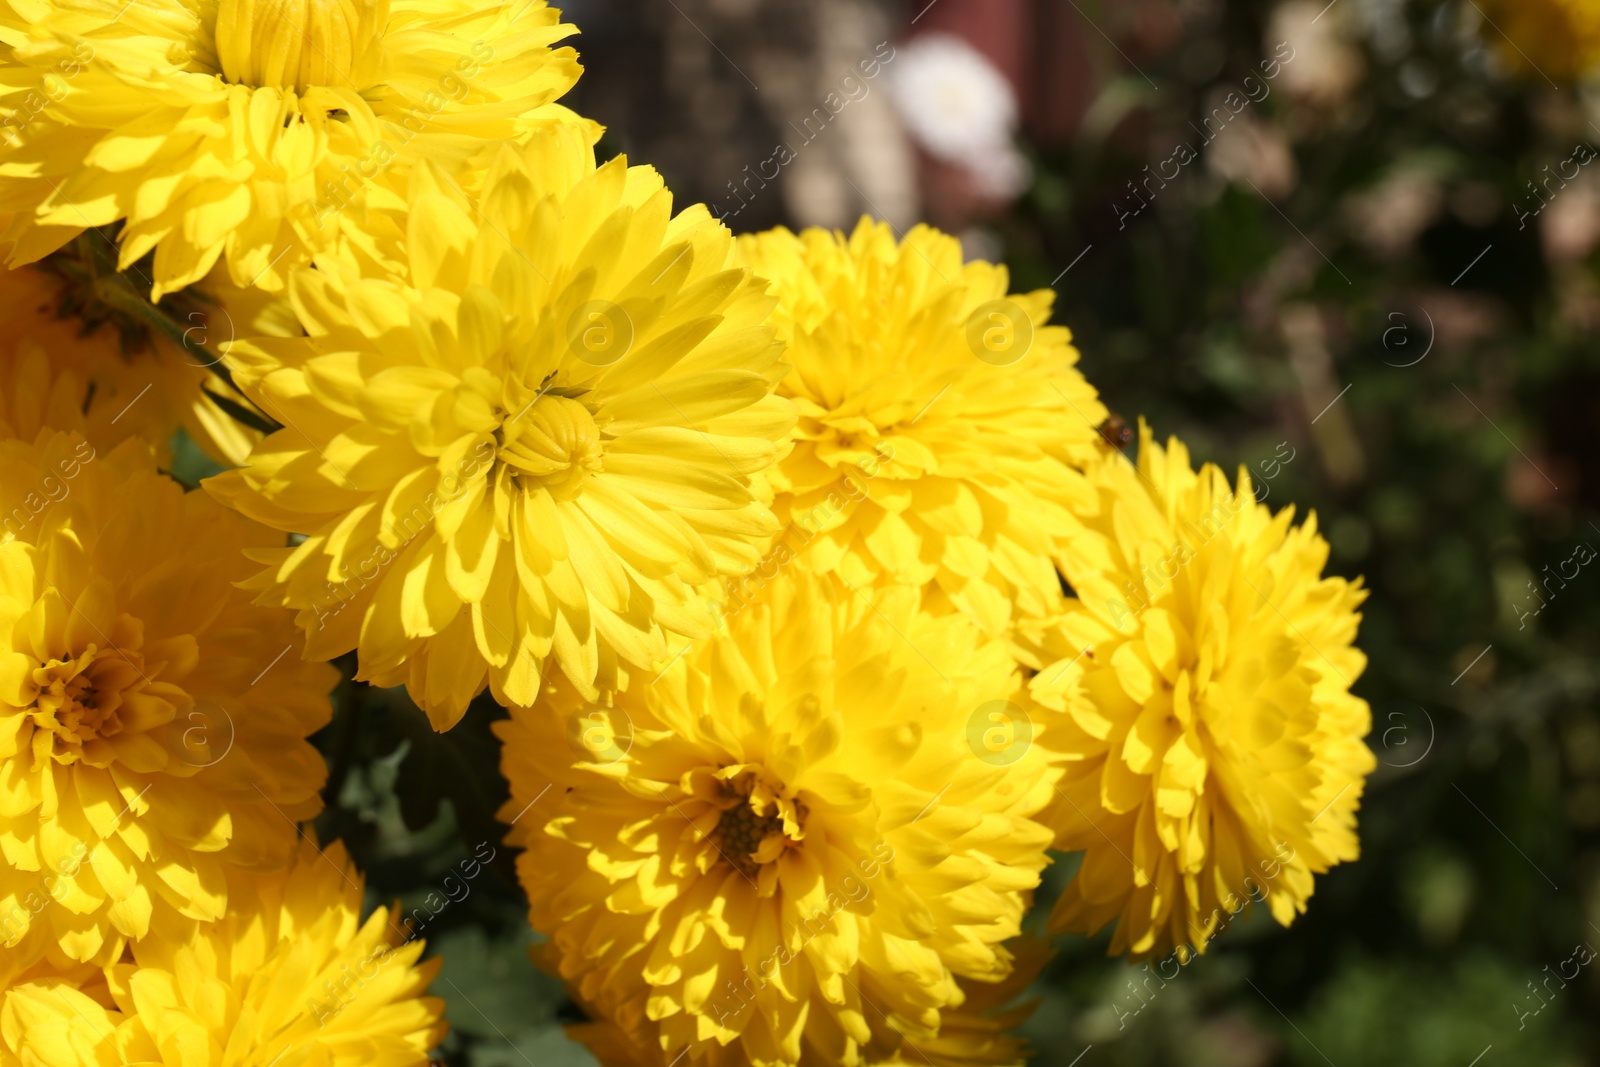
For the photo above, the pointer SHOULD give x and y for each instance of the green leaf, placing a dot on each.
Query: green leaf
(492, 989)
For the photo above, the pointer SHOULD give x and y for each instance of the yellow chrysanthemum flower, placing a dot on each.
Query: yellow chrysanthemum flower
(291, 975)
(535, 446)
(1213, 749)
(980, 1033)
(61, 372)
(940, 418)
(787, 848)
(1557, 39)
(152, 725)
(252, 128)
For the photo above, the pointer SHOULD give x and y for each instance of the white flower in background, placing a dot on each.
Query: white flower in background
(961, 109)
(1250, 151)
(1571, 226)
(1389, 216)
(1324, 65)
(954, 100)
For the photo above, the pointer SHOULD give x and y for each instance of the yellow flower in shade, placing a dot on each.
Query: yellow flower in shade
(534, 447)
(1212, 747)
(291, 975)
(152, 725)
(940, 418)
(252, 129)
(980, 1033)
(790, 846)
(17, 968)
(1557, 39)
(59, 371)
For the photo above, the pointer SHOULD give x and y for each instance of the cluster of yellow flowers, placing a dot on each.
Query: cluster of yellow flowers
(822, 602)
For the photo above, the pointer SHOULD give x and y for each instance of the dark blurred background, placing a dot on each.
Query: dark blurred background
(1344, 279)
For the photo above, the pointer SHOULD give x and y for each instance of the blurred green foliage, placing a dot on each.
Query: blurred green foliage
(1459, 458)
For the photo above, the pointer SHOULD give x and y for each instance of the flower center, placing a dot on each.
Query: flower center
(296, 44)
(758, 824)
(80, 699)
(555, 445)
(740, 832)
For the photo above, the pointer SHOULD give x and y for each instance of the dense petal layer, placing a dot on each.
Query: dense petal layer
(291, 974)
(1201, 684)
(179, 118)
(152, 729)
(942, 421)
(790, 846)
(531, 448)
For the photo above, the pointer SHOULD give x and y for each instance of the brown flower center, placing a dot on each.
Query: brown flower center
(758, 824)
(80, 699)
(740, 832)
